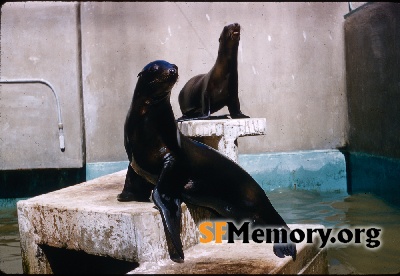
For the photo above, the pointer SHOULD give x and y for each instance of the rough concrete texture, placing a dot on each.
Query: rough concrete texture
(373, 78)
(241, 258)
(40, 41)
(222, 134)
(88, 217)
(291, 66)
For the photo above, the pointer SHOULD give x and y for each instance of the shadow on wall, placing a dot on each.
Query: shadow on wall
(378, 175)
(373, 95)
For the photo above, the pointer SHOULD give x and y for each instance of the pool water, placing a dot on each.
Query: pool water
(339, 210)
(10, 251)
(333, 210)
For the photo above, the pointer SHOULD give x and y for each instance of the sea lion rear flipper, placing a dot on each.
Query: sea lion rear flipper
(285, 249)
(169, 205)
(170, 209)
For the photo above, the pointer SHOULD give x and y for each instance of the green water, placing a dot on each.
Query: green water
(296, 206)
(10, 251)
(335, 210)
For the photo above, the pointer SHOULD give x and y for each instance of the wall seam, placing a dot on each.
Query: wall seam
(80, 81)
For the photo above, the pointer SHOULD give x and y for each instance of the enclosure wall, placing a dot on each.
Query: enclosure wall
(373, 79)
(291, 72)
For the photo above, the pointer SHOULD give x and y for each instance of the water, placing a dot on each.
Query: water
(339, 210)
(333, 210)
(10, 251)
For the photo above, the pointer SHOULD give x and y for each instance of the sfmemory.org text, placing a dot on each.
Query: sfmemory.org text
(215, 231)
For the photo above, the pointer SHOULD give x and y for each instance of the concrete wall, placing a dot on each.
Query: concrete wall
(373, 91)
(40, 41)
(373, 79)
(291, 68)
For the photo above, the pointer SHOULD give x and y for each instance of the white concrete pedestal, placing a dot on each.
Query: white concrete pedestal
(222, 134)
(82, 227)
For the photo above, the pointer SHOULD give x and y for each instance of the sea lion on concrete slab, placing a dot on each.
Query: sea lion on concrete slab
(207, 93)
(178, 168)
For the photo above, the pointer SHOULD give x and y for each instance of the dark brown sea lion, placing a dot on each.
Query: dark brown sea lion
(207, 93)
(178, 168)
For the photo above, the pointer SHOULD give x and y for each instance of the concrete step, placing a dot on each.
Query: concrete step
(87, 218)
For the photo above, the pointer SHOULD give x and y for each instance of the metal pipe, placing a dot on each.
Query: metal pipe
(40, 81)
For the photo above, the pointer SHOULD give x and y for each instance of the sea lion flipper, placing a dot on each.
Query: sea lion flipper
(206, 105)
(170, 209)
(239, 116)
(186, 118)
(167, 200)
(204, 114)
(234, 107)
(282, 249)
(136, 188)
(285, 249)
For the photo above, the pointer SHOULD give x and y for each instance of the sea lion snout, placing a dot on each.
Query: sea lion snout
(159, 71)
(158, 67)
(173, 71)
(234, 31)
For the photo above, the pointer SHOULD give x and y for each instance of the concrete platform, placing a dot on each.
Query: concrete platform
(87, 219)
(239, 258)
(222, 134)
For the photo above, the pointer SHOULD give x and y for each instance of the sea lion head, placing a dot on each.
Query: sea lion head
(230, 32)
(157, 78)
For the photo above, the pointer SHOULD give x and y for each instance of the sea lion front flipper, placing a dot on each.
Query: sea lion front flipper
(234, 108)
(169, 205)
(136, 188)
(206, 105)
(239, 116)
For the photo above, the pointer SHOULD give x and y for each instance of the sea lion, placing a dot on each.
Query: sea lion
(207, 93)
(177, 168)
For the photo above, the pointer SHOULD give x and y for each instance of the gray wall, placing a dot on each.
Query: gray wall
(373, 79)
(40, 41)
(291, 67)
